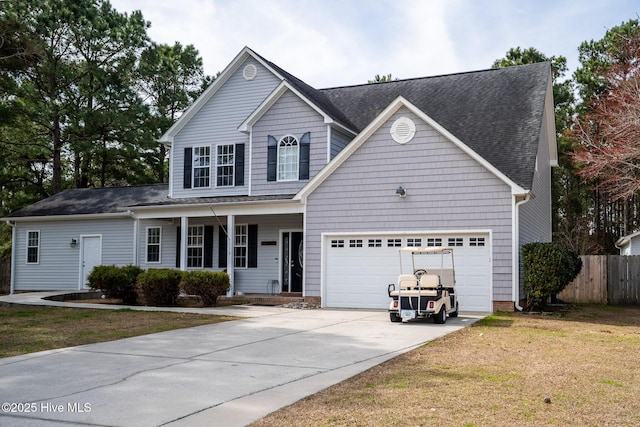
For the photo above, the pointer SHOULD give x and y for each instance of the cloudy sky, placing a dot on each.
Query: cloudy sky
(342, 42)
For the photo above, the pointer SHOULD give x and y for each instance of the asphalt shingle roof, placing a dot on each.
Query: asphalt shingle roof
(497, 113)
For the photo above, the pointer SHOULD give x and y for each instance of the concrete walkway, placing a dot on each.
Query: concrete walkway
(227, 374)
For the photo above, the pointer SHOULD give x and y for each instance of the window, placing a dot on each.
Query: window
(240, 247)
(288, 153)
(434, 241)
(476, 241)
(455, 241)
(153, 244)
(33, 247)
(337, 243)
(224, 165)
(394, 243)
(355, 243)
(195, 246)
(375, 243)
(415, 242)
(201, 166)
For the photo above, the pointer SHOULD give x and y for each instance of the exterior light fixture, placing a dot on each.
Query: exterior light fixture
(401, 191)
(73, 243)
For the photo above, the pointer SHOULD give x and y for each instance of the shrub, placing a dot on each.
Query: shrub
(208, 285)
(115, 282)
(159, 286)
(548, 269)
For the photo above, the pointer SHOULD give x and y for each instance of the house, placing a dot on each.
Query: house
(297, 190)
(629, 244)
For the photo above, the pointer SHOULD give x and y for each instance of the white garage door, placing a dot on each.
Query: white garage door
(359, 268)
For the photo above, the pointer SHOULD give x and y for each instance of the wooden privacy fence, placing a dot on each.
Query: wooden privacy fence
(606, 279)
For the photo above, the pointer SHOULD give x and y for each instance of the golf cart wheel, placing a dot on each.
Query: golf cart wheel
(455, 313)
(395, 318)
(441, 317)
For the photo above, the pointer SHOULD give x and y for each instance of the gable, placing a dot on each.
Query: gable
(381, 121)
(497, 113)
(434, 171)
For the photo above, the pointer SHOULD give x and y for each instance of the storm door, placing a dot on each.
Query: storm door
(292, 261)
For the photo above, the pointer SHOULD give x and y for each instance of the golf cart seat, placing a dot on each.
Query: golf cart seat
(407, 281)
(429, 283)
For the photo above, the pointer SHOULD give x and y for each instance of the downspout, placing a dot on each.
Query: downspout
(13, 256)
(135, 236)
(516, 250)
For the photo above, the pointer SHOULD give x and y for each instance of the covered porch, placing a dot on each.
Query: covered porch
(259, 243)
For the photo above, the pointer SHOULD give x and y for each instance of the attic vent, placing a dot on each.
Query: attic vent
(249, 72)
(403, 130)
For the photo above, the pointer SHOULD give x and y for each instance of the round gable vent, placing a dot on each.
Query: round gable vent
(249, 72)
(403, 130)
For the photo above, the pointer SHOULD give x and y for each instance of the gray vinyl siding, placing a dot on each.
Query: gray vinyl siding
(339, 140)
(446, 190)
(247, 280)
(255, 280)
(217, 123)
(288, 116)
(168, 236)
(535, 215)
(58, 268)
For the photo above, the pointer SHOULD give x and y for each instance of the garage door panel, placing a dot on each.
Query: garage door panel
(357, 277)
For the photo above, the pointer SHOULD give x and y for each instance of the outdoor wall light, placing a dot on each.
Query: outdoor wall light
(73, 243)
(401, 191)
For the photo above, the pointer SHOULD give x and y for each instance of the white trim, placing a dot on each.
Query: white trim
(171, 169)
(233, 167)
(359, 140)
(273, 97)
(297, 163)
(266, 207)
(250, 169)
(27, 247)
(328, 143)
(246, 245)
(67, 217)
(14, 234)
(81, 257)
(225, 75)
(146, 245)
(193, 167)
(325, 236)
(201, 246)
(515, 249)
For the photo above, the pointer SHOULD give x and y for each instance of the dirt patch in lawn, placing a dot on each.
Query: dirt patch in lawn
(29, 329)
(578, 368)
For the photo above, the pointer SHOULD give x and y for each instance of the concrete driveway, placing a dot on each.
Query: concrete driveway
(227, 374)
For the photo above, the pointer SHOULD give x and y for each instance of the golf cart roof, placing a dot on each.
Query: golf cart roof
(429, 250)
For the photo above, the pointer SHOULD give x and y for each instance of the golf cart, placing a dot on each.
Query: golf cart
(429, 290)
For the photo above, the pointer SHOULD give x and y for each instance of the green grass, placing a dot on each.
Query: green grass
(30, 329)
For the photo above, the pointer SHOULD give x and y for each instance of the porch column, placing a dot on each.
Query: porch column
(231, 240)
(184, 233)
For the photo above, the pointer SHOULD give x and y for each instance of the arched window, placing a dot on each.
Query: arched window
(288, 155)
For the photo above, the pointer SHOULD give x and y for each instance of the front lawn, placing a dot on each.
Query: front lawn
(29, 329)
(581, 368)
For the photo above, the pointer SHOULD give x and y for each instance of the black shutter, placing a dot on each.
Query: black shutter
(188, 167)
(252, 246)
(178, 238)
(305, 145)
(208, 246)
(272, 158)
(222, 248)
(239, 158)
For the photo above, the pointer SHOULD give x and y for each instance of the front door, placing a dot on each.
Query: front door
(91, 255)
(292, 261)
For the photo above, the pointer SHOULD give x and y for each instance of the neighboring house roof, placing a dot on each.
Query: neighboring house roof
(87, 201)
(625, 240)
